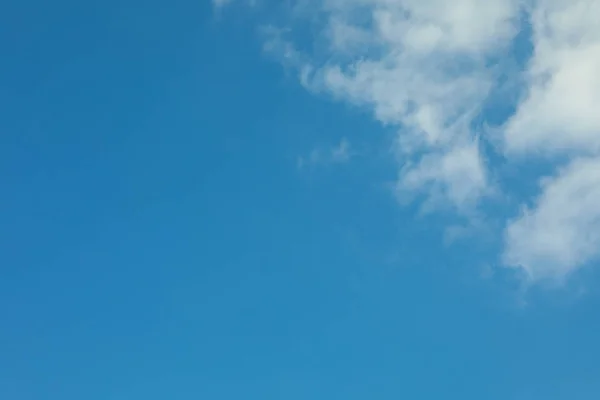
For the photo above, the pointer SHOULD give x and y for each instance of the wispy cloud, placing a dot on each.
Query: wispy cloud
(220, 3)
(421, 66)
(339, 154)
(431, 67)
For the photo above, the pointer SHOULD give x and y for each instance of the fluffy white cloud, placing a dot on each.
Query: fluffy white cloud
(562, 231)
(426, 68)
(561, 112)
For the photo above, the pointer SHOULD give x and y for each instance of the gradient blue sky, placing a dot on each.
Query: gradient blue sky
(159, 238)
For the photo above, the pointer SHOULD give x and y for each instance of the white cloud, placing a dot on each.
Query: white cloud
(424, 67)
(339, 154)
(421, 66)
(457, 175)
(220, 3)
(560, 116)
(562, 231)
(561, 110)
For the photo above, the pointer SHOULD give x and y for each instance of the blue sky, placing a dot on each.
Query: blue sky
(252, 201)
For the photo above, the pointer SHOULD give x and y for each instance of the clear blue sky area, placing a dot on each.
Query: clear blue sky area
(159, 241)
